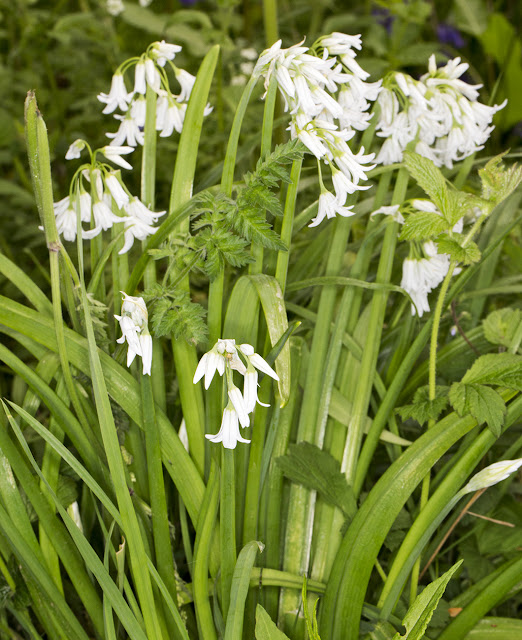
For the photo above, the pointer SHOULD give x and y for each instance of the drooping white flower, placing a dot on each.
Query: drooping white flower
(75, 150)
(493, 474)
(152, 75)
(114, 153)
(391, 210)
(229, 433)
(329, 206)
(134, 326)
(117, 96)
(115, 7)
(135, 209)
(140, 86)
(236, 398)
(164, 51)
(135, 229)
(138, 111)
(186, 81)
(120, 196)
(129, 132)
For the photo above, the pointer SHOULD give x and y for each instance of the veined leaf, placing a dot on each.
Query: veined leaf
(502, 369)
(429, 178)
(482, 402)
(466, 255)
(266, 628)
(500, 326)
(423, 409)
(423, 225)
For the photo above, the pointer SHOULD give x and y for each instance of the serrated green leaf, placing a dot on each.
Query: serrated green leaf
(500, 326)
(498, 182)
(423, 225)
(316, 469)
(421, 611)
(501, 369)
(423, 409)
(429, 178)
(181, 317)
(466, 255)
(266, 629)
(482, 402)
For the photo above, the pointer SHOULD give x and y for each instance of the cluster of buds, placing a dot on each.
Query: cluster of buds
(440, 114)
(325, 92)
(134, 327)
(106, 194)
(224, 357)
(149, 70)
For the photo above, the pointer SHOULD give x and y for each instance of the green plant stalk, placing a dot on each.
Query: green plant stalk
(432, 377)
(266, 144)
(371, 351)
(40, 164)
(148, 197)
(283, 257)
(227, 527)
(270, 21)
(158, 501)
(204, 535)
(137, 550)
(185, 357)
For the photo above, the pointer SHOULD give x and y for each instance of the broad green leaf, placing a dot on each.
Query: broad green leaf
(429, 178)
(471, 16)
(499, 181)
(466, 255)
(482, 402)
(500, 326)
(266, 629)
(501, 369)
(421, 611)
(496, 629)
(316, 469)
(239, 589)
(423, 409)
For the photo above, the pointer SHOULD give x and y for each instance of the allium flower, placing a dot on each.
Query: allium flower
(114, 154)
(392, 211)
(115, 7)
(329, 205)
(75, 150)
(104, 218)
(229, 433)
(186, 81)
(328, 99)
(120, 196)
(117, 96)
(140, 86)
(493, 474)
(135, 230)
(137, 210)
(129, 132)
(134, 326)
(65, 212)
(164, 51)
(224, 358)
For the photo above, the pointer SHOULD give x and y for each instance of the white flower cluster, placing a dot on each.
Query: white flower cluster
(328, 100)
(224, 358)
(440, 114)
(149, 70)
(107, 192)
(134, 327)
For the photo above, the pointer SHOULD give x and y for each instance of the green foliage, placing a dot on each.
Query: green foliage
(499, 181)
(423, 409)
(174, 313)
(421, 611)
(500, 326)
(311, 620)
(465, 254)
(422, 226)
(266, 629)
(482, 402)
(501, 369)
(308, 465)
(430, 179)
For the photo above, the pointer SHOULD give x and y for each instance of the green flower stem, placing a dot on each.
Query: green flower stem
(288, 221)
(185, 357)
(371, 351)
(158, 501)
(227, 527)
(148, 197)
(270, 21)
(204, 535)
(266, 144)
(432, 378)
(40, 165)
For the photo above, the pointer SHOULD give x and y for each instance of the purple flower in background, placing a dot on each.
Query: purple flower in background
(384, 18)
(447, 34)
(188, 3)
(517, 130)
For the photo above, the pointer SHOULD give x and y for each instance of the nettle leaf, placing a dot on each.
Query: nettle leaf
(429, 178)
(500, 326)
(458, 205)
(316, 469)
(423, 225)
(501, 369)
(497, 181)
(466, 255)
(422, 610)
(423, 409)
(482, 402)
(181, 317)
